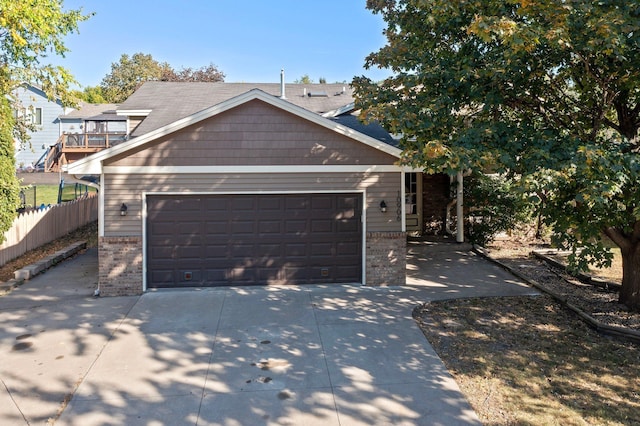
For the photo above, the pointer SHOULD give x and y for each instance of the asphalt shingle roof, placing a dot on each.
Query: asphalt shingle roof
(171, 101)
(86, 110)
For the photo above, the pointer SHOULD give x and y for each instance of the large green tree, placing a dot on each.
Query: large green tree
(544, 90)
(30, 32)
(130, 72)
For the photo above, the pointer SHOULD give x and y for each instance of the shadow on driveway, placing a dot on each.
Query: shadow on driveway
(339, 354)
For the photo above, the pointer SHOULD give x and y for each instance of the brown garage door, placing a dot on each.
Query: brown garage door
(248, 239)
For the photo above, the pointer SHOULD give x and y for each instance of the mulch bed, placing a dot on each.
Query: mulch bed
(598, 302)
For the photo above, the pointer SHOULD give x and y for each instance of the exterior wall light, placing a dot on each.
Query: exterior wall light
(123, 209)
(383, 206)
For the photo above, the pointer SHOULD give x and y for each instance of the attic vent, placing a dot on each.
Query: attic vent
(318, 94)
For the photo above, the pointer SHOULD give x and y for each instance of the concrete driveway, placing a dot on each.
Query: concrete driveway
(326, 355)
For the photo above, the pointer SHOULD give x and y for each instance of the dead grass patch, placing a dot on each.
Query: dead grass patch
(88, 233)
(529, 361)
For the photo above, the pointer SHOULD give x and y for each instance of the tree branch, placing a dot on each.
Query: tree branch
(618, 237)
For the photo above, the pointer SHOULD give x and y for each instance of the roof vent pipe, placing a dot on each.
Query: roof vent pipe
(282, 94)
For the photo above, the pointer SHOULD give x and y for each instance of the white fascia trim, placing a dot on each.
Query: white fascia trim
(86, 168)
(256, 192)
(144, 242)
(125, 170)
(134, 112)
(339, 111)
(222, 107)
(409, 169)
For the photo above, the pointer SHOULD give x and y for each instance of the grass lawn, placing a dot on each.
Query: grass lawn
(48, 194)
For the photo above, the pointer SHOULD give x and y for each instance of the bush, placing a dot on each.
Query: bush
(494, 205)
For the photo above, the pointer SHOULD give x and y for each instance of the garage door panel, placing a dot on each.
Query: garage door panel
(214, 204)
(162, 228)
(268, 250)
(295, 227)
(322, 225)
(162, 277)
(240, 250)
(248, 239)
(269, 203)
(321, 249)
(345, 248)
(348, 270)
(270, 227)
(240, 204)
(322, 202)
(218, 251)
(187, 240)
(161, 253)
(296, 203)
(241, 275)
(216, 227)
(346, 227)
(269, 275)
(243, 227)
(192, 226)
(187, 205)
(293, 250)
(189, 252)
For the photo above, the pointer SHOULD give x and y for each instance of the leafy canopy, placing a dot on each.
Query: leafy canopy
(131, 72)
(545, 90)
(30, 31)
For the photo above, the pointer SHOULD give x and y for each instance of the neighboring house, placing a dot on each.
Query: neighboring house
(243, 184)
(44, 114)
(64, 134)
(89, 129)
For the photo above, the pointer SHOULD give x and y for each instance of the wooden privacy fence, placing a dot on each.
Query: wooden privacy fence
(32, 229)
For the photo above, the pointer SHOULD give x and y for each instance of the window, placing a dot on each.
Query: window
(37, 116)
(411, 192)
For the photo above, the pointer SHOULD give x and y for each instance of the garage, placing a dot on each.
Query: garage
(253, 239)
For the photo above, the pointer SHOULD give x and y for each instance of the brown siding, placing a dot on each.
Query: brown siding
(134, 122)
(254, 134)
(128, 189)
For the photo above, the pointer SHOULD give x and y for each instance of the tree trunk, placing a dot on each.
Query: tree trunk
(630, 291)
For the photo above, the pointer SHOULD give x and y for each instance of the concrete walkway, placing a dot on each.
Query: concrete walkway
(326, 355)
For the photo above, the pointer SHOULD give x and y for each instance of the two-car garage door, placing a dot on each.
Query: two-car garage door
(253, 239)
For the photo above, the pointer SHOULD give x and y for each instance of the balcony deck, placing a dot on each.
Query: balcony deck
(75, 146)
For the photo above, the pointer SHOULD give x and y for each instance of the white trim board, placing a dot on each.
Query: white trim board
(229, 170)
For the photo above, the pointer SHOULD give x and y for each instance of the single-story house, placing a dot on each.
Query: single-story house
(253, 184)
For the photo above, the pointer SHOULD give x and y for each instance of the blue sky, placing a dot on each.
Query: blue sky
(248, 40)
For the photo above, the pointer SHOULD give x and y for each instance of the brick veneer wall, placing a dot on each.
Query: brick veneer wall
(120, 270)
(436, 195)
(386, 259)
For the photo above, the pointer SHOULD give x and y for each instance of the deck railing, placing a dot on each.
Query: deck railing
(91, 140)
